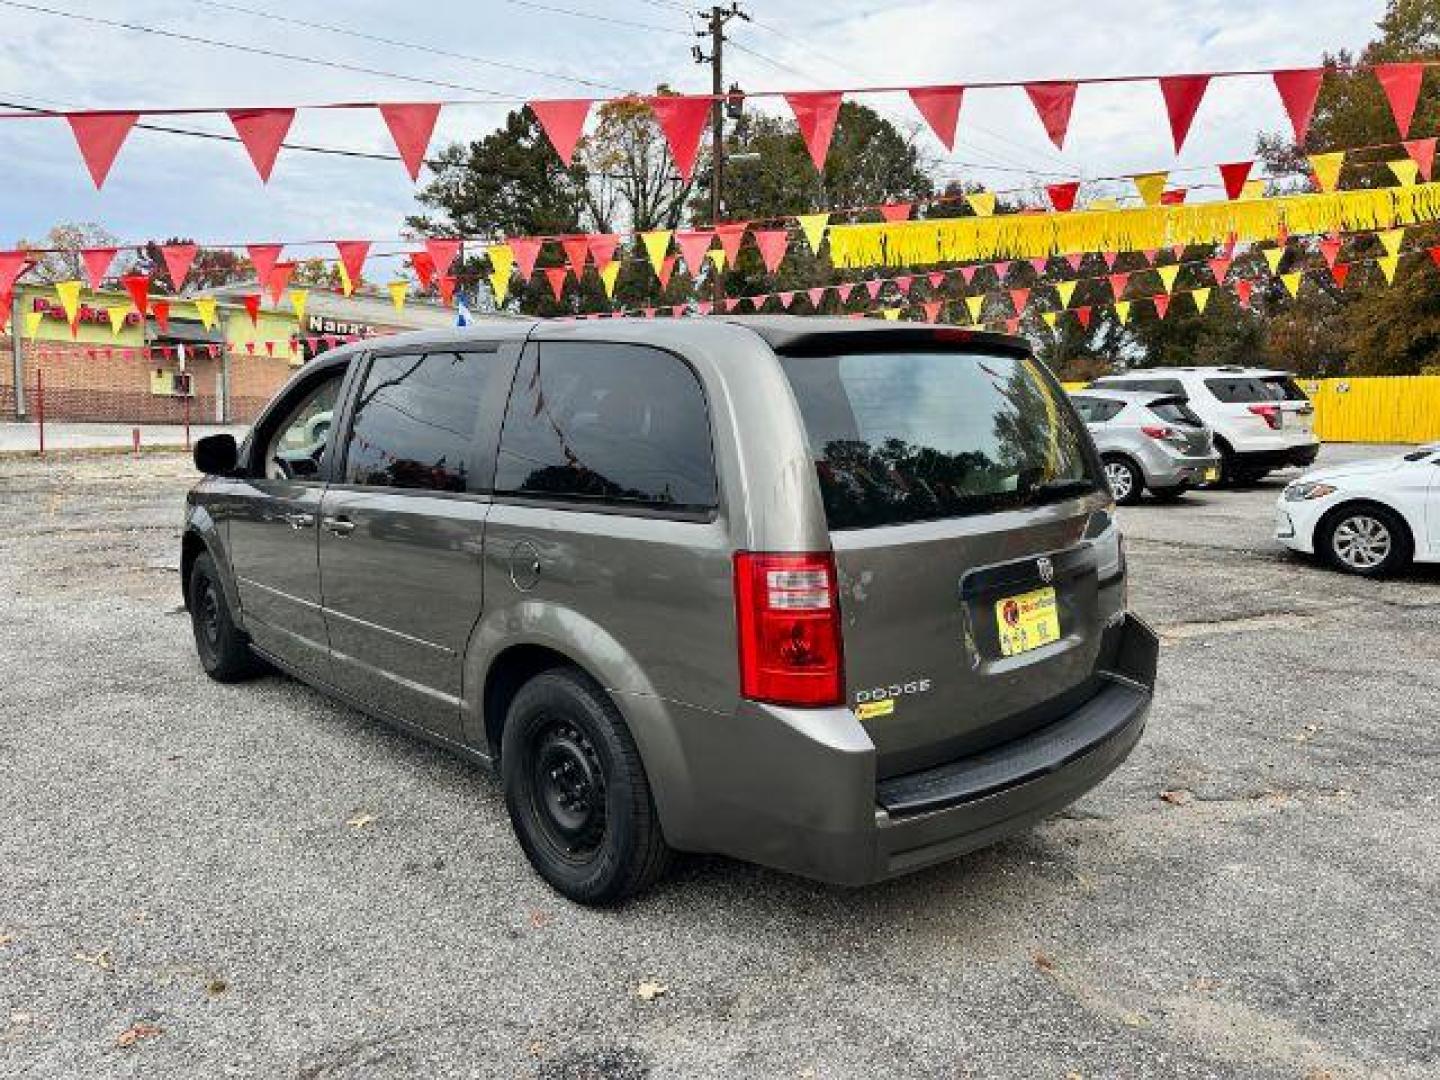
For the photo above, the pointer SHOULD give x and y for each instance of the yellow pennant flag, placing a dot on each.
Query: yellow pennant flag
(976, 304)
(500, 286)
(1391, 239)
(1151, 186)
(814, 226)
(1387, 267)
(1202, 298)
(1168, 274)
(1066, 289)
(205, 308)
(69, 294)
(1252, 189)
(346, 285)
(1273, 257)
(298, 298)
(1049, 317)
(608, 275)
(891, 313)
(32, 323)
(1405, 170)
(1327, 168)
(117, 318)
(398, 291)
(716, 256)
(657, 244)
(1292, 282)
(981, 202)
(502, 259)
(1122, 309)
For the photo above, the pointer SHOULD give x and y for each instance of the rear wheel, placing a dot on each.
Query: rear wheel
(577, 793)
(1367, 540)
(1126, 482)
(223, 649)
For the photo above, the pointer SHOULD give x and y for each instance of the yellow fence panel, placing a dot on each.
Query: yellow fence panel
(1391, 409)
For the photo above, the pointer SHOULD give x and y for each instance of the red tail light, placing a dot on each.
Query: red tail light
(1270, 413)
(1157, 432)
(787, 609)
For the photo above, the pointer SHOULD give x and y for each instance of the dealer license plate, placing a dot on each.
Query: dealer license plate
(1212, 476)
(1027, 621)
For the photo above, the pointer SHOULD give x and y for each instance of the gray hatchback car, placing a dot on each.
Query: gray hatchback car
(1148, 441)
(845, 599)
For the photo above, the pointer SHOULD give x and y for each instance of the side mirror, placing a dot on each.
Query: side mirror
(217, 455)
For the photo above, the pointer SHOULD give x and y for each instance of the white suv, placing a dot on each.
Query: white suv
(1261, 418)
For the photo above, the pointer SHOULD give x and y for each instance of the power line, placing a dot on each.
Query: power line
(771, 61)
(417, 46)
(598, 18)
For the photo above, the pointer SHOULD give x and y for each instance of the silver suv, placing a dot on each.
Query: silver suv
(1148, 441)
(846, 600)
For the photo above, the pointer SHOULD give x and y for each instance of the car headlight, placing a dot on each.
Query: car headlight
(1305, 492)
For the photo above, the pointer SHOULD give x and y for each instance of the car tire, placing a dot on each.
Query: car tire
(1169, 494)
(1127, 482)
(223, 648)
(577, 793)
(1365, 539)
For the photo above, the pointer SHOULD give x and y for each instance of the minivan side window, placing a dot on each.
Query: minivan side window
(418, 421)
(617, 425)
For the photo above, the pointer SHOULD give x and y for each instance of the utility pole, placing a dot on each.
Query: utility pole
(718, 16)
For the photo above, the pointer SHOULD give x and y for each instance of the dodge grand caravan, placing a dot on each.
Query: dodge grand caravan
(845, 599)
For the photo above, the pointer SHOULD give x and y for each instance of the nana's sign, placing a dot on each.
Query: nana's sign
(324, 324)
(85, 313)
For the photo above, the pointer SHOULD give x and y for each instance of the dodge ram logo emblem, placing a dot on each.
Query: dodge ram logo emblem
(1046, 568)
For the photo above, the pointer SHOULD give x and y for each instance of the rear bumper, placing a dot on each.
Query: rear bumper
(1299, 456)
(1170, 471)
(807, 800)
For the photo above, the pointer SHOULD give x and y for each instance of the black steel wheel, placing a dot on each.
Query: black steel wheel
(577, 793)
(222, 647)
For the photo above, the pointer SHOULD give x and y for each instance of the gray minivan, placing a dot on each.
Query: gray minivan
(840, 597)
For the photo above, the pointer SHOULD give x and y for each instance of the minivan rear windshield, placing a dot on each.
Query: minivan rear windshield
(915, 436)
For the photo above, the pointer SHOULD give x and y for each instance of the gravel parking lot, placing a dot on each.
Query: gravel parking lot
(250, 880)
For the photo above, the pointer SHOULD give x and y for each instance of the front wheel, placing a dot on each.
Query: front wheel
(1367, 540)
(577, 793)
(1126, 483)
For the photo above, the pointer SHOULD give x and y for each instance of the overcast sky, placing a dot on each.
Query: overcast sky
(171, 185)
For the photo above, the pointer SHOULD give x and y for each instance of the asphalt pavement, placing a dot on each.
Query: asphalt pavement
(251, 880)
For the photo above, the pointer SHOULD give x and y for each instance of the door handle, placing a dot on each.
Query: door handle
(340, 526)
(298, 521)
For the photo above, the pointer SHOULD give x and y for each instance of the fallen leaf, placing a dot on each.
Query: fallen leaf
(539, 920)
(536, 1049)
(649, 991)
(135, 1032)
(1177, 797)
(1205, 984)
(1044, 962)
(100, 960)
(6, 939)
(215, 987)
(359, 821)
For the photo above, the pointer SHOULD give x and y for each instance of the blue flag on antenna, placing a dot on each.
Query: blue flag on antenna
(462, 313)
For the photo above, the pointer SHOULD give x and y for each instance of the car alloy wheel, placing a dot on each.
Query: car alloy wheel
(1121, 478)
(1362, 542)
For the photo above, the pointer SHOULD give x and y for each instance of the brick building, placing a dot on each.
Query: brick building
(136, 370)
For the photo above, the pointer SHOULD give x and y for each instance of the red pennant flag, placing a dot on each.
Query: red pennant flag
(1422, 152)
(967, 274)
(1401, 83)
(442, 253)
(1062, 196)
(1220, 267)
(1173, 197)
(602, 249)
(263, 257)
(1012, 326)
(1434, 254)
(1183, 94)
(896, 211)
(932, 310)
(12, 265)
(704, 307)
(352, 257)
(446, 284)
(252, 308)
(1243, 289)
(1341, 272)
(270, 348)
(562, 121)
(772, 243)
(526, 250)
(693, 244)
(279, 280)
(100, 136)
(940, 106)
(730, 234)
(576, 250)
(1179, 252)
(1001, 268)
(936, 278)
(786, 299)
(1053, 102)
(1299, 88)
(1038, 264)
(556, 276)
(1235, 175)
(731, 303)
(138, 286)
(667, 267)
(816, 113)
(97, 261)
(844, 291)
(1150, 254)
(683, 121)
(424, 268)
(1118, 283)
(648, 312)
(262, 131)
(903, 283)
(1162, 303)
(411, 126)
(161, 310)
(1019, 297)
(1083, 314)
(1075, 259)
(817, 297)
(1330, 248)
(873, 288)
(178, 260)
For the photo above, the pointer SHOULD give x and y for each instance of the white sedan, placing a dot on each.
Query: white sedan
(1367, 517)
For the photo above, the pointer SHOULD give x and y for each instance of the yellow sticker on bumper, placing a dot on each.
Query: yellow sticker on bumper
(872, 709)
